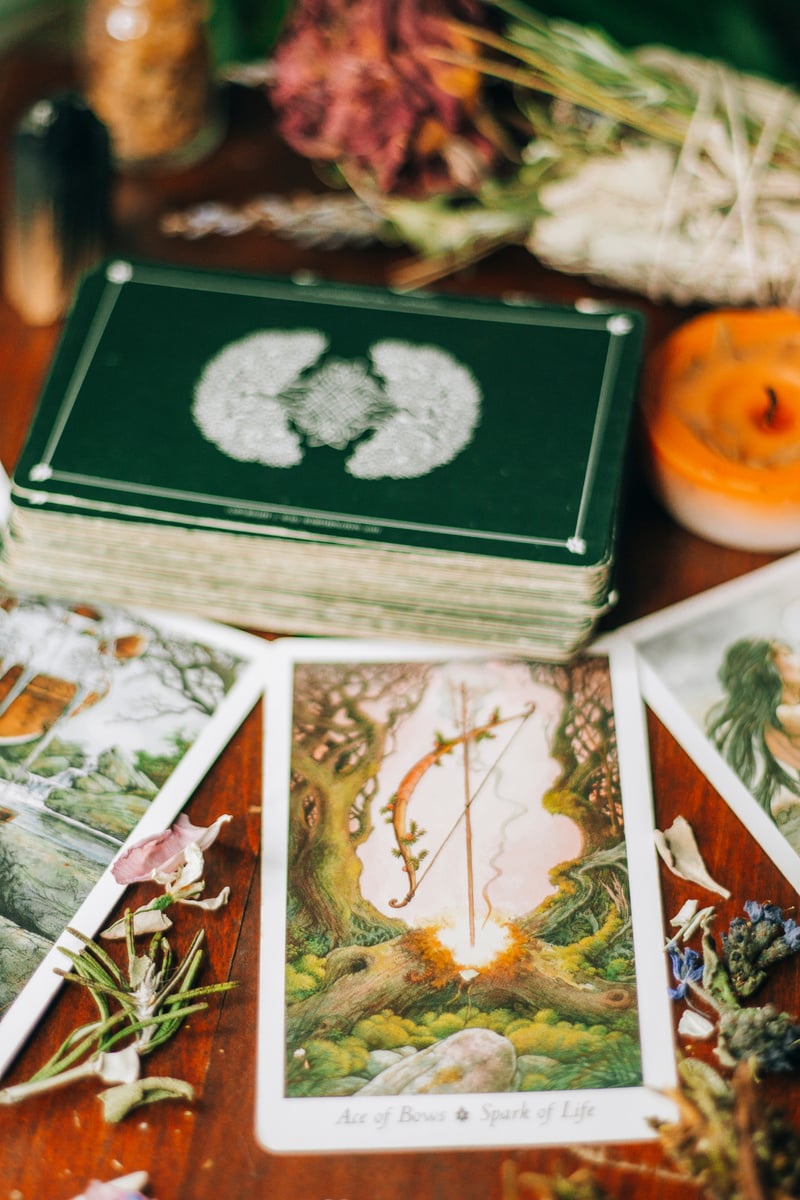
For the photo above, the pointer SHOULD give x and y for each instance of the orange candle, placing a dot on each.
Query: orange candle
(721, 418)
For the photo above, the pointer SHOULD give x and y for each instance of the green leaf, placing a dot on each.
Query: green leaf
(120, 1100)
(716, 980)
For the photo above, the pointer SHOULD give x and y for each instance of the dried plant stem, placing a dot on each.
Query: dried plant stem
(419, 273)
(71, 1051)
(745, 1107)
(89, 1069)
(562, 85)
(601, 1158)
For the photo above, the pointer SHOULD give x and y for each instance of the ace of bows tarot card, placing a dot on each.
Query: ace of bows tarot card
(462, 938)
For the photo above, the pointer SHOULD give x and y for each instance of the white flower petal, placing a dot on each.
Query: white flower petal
(694, 1025)
(119, 1066)
(193, 867)
(188, 872)
(679, 850)
(145, 920)
(211, 833)
(212, 903)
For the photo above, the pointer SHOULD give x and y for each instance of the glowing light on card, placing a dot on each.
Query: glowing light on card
(491, 940)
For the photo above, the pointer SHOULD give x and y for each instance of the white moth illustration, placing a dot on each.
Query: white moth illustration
(410, 409)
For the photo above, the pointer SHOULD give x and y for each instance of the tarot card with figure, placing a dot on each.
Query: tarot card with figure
(722, 671)
(109, 718)
(462, 940)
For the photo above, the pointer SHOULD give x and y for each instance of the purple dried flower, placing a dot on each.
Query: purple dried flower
(687, 968)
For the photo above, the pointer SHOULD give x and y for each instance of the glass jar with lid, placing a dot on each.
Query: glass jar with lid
(147, 76)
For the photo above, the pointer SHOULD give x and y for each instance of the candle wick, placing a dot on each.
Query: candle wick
(772, 404)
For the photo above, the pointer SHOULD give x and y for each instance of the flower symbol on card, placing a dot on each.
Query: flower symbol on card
(270, 396)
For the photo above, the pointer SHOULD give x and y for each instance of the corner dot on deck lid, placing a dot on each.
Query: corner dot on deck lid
(119, 271)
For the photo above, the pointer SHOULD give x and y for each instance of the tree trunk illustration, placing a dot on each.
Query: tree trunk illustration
(362, 980)
(344, 721)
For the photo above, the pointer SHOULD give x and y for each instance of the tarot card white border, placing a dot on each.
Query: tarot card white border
(671, 709)
(19, 1019)
(458, 1121)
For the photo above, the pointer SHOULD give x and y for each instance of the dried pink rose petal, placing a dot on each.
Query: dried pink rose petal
(127, 1187)
(164, 853)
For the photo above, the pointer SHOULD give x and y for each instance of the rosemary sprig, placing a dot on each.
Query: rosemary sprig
(140, 1008)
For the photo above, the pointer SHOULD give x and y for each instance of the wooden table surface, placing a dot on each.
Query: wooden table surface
(54, 1145)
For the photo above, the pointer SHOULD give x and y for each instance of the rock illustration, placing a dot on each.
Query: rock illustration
(54, 663)
(41, 888)
(21, 951)
(112, 798)
(472, 1060)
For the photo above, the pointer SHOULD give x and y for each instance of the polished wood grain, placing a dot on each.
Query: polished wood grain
(52, 1146)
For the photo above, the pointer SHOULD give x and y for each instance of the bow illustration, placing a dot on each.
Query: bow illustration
(398, 804)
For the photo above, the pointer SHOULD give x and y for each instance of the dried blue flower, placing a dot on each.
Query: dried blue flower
(687, 967)
(754, 945)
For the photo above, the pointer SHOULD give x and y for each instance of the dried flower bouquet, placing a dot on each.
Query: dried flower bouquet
(671, 175)
(664, 173)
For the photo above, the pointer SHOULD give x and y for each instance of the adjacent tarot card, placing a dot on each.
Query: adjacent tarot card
(462, 936)
(722, 671)
(109, 719)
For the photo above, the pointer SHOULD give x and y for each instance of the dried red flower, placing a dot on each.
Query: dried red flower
(356, 83)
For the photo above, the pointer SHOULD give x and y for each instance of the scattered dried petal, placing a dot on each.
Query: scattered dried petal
(695, 1026)
(212, 903)
(126, 1187)
(687, 968)
(689, 919)
(119, 1101)
(678, 848)
(685, 913)
(146, 920)
(164, 853)
(184, 873)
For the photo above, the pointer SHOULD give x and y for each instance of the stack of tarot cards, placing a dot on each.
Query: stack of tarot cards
(308, 457)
